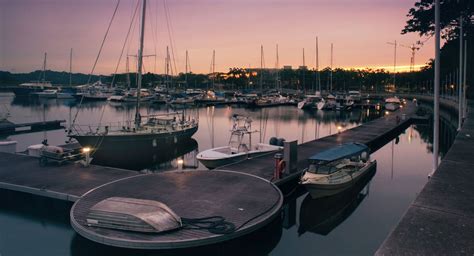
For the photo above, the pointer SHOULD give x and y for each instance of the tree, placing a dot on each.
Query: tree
(422, 17)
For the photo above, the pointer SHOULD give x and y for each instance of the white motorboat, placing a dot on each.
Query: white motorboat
(328, 103)
(336, 169)
(310, 101)
(115, 98)
(50, 94)
(237, 150)
(392, 103)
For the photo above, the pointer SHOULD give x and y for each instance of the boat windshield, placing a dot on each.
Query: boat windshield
(322, 169)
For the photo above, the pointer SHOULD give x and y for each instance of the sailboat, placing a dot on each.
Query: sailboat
(144, 132)
(35, 86)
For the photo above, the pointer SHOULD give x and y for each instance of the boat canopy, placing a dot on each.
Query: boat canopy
(339, 152)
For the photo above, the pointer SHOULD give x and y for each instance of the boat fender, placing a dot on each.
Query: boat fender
(273, 141)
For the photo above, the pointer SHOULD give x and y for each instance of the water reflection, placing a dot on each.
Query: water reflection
(322, 215)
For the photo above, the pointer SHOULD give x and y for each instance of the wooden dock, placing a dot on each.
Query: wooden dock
(7, 127)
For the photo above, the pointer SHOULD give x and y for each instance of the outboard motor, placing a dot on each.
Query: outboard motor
(273, 141)
(281, 142)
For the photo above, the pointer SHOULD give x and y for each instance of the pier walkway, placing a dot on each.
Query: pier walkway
(441, 219)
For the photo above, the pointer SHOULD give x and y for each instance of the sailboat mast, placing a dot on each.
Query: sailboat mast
(186, 71)
(277, 66)
(70, 68)
(318, 79)
(140, 64)
(128, 73)
(44, 69)
(213, 68)
(331, 69)
(304, 71)
(261, 69)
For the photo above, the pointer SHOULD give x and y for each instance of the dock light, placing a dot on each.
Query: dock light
(86, 151)
(339, 128)
(386, 112)
(180, 163)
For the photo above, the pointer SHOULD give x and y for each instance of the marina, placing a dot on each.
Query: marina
(83, 185)
(157, 127)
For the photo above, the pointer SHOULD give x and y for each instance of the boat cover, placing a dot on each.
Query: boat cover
(339, 152)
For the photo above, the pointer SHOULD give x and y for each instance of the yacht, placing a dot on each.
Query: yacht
(336, 169)
(327, 104)
(310, 101)
(49, 94)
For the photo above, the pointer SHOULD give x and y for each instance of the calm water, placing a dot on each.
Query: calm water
(354, 223)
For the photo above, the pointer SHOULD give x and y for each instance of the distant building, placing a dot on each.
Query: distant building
(303, 67)
(287, 67)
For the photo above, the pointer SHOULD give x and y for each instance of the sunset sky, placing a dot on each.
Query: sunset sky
(359, 30)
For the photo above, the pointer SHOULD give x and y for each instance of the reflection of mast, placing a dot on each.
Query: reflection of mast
(393, 149)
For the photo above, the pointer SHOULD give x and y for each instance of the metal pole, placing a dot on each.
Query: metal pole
(395, 66)
(436, 90)
(331, 69)
(261, 70)
(464, 101)
(317, 66)
(460, 111)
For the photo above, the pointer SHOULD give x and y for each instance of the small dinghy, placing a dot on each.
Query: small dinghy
(337, 169)
(237, 149)
(132, 214)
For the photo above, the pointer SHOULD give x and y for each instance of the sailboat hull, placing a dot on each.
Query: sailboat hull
(110, 144)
